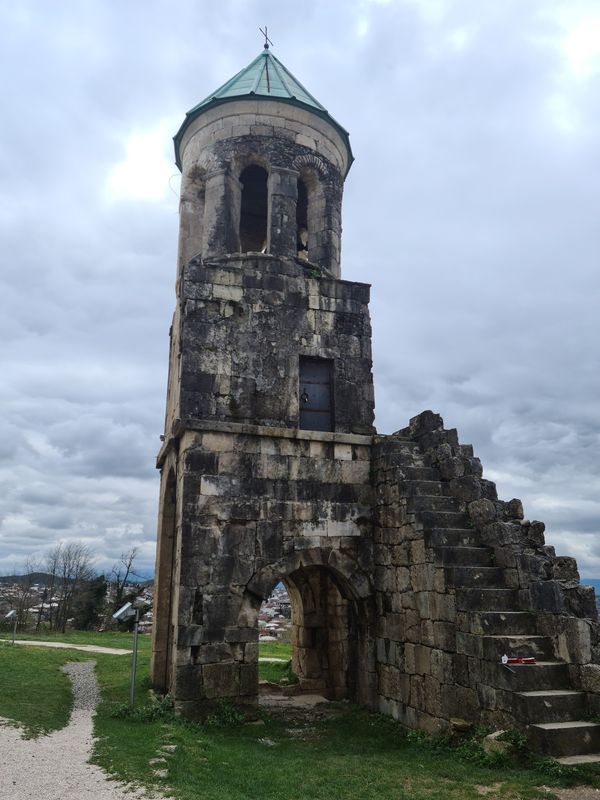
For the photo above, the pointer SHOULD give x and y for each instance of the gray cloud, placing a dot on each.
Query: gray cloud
(471, 208)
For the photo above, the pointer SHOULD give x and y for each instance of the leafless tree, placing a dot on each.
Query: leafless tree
(69, 566)
(121, 573)
(24, 592)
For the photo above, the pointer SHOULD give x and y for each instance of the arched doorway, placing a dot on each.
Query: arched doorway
(332, 637)
(324, 633)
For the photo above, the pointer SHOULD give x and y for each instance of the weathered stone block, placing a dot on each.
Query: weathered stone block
(590, 678)
(574, 641)
(467, 488)
(221, 680)
(482, 512)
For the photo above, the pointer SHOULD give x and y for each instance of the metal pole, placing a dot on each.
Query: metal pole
(134, 661)
(15, 629)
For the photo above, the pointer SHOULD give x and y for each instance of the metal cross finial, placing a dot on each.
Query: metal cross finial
(267, 40)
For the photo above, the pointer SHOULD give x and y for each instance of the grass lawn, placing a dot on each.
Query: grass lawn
(33, 690)
(346, 753)
(274, 650)
(278, 671)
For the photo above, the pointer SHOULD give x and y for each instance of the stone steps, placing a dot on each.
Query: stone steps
(526, 677)
(506, 623)
(421, 503)
(550, 705)
(576, 738)
(473, 576)
(487, 599)
(491, 624)
(492, 648)
(524, 646)
(465, 556)
(418, 473)
(451, 537)
(445, 519)
(575, 761)
(411, 488)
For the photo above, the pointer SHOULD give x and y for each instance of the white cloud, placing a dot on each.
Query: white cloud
(146, 172)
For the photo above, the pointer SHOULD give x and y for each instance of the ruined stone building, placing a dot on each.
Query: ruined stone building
(409, 579)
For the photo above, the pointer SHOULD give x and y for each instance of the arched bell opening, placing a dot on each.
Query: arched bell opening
(254, 209)
(302, 220)
(311, 218)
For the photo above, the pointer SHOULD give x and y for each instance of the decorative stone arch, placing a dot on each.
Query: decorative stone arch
(307, 160)
(332, 621)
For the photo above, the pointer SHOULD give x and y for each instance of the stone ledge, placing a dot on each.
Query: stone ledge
(237, 428)
(237, 261)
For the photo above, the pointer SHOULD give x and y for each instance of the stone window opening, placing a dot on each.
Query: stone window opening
(315, 394)
(254, 210)
(302, 221)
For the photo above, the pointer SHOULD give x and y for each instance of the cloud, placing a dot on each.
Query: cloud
(471, 208)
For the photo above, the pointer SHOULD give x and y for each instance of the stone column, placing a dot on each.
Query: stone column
(191, 220)
(221, 214)
(283, 195)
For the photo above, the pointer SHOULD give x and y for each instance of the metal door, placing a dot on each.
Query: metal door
(316, 395)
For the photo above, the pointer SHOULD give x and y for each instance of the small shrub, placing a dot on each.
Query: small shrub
(226, 713)
(161, 708)
(471, 750)
(417, 737)
(517, 741)
(552, 768)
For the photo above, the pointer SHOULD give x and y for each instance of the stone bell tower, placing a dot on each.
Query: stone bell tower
(411, 582)
(269, 421)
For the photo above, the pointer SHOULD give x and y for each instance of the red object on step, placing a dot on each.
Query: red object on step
(518, 660)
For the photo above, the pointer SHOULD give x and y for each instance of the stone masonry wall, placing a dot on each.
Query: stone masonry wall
(259, 505)
(242, 325)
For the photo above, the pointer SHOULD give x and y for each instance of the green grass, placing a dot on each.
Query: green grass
(274, 650)
(276, 672)
(351, 754)
(33, 691)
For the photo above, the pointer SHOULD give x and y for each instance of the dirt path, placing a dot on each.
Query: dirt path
(55, 767)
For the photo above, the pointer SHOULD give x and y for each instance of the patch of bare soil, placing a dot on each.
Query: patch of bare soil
(484, 790)
(575, 793)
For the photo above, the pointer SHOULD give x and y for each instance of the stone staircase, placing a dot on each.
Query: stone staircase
(491, 622)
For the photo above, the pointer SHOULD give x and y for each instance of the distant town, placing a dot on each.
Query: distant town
(39, 599)
(275, 618)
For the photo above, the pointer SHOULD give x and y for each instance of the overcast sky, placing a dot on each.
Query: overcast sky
(472, 209)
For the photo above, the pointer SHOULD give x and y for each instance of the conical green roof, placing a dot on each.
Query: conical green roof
(264, 77)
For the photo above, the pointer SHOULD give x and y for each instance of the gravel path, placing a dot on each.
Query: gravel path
(55, 767)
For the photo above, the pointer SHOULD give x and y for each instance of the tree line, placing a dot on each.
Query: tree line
(73, 593)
